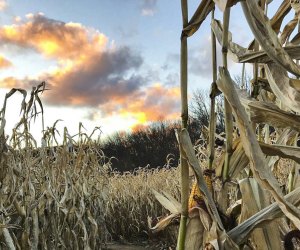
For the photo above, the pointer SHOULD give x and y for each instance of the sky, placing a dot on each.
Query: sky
(107, 63)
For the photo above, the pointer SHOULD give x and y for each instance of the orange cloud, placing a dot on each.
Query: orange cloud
(54, 39)
(157, 102)
(10, 82)
(4, 63)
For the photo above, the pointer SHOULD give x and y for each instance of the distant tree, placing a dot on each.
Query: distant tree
(148, 146)
(200, 110)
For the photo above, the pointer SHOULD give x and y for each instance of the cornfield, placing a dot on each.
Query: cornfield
(245, 196)
(67, 196)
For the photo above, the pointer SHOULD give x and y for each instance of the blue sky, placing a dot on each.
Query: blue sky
(109, 63)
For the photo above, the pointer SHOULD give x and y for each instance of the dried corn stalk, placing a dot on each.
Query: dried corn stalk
(258, 163)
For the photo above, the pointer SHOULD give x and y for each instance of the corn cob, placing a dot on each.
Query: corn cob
(195, 193)
(196, 196)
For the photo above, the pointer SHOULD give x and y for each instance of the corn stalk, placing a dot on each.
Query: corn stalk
(228, 110)
(184, 118)
(213, 93)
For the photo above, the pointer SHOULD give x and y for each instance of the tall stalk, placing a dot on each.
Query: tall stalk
(228, 110)
(184, 119)
(213, 93)
(255, 87)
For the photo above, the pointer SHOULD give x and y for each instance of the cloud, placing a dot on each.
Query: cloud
(90, 71)
(172, 79)
(4, 63)
(54, 39)
(199, 59)
(148, 7)
(157, 102)
(10, 82)
(3, 5)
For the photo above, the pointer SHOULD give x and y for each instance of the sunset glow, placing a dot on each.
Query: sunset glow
(4, 63)
(118, 66)
(48, 47)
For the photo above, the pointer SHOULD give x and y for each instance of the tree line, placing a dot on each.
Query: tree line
(156, 145)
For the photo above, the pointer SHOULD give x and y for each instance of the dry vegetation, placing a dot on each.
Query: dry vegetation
(67, 197)
(71, 200)
(241, 212)
(244, 196)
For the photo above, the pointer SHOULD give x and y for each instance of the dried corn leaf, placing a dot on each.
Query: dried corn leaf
(258, 162)
(204, 8)
(241, 232)
(235, 50)
(288, 29)
(172, 205)
(288, 152)
(164, 222)
(262, 57)
(223, 4)
(263, 112)
(287, 90)
(238, 161)
(280, 14)
(94, 229)
(295, 5)
(284, 138)
(267, 38)
(295, 40)
(254, 199)
(173, 201)
(240, 54)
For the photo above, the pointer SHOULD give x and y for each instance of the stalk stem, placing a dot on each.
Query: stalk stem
(184, 120)
(212, 120)
(227, 107)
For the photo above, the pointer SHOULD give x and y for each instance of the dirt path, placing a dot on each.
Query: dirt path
(117, 246)
(124, 247)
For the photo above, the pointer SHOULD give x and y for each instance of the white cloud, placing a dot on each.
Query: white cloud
(148, 7)
(147, 12)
